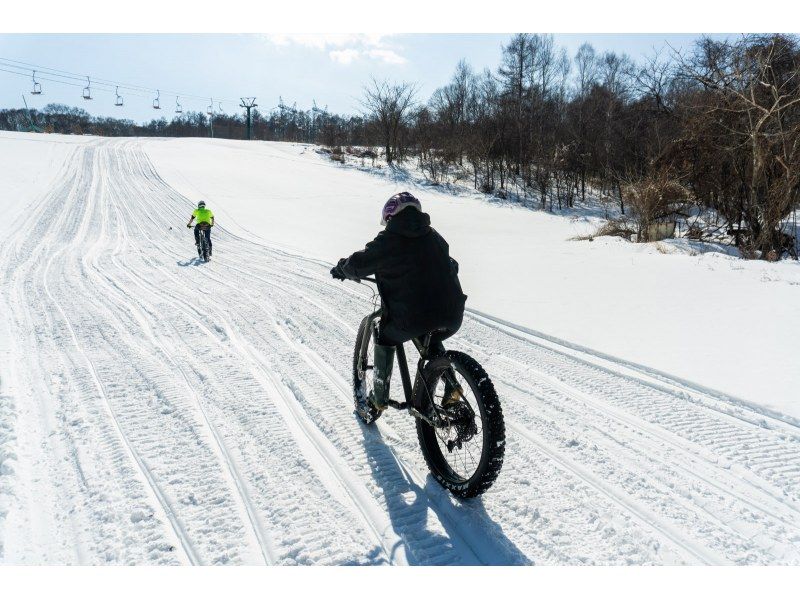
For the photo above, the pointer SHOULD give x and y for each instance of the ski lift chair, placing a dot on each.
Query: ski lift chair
(178, 109)
(157, 101)
(37, 87)
(87, 91)
(118, 101)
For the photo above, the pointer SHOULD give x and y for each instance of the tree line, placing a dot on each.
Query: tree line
(282, 124)
(713, 131)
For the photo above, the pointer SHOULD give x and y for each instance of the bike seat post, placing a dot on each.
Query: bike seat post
(426, 345)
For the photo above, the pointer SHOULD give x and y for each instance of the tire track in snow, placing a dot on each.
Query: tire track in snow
(347, 401)
(711, 434)
(603, 489)
(157, 492)
(693, 552)
(390, 552)
(63, 222)
(264, 356)
(235, 478)
(776, 507)
(735, 495)
(365, 506)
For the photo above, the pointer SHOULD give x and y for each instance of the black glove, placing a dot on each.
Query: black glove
(337, 271)
(188, 226)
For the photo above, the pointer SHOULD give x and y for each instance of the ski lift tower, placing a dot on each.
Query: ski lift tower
(248, 104)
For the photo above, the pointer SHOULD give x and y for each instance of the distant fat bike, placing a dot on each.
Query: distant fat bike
(459, 420)
(203, 248)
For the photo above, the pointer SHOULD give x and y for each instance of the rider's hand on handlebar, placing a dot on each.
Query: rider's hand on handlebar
(337, 272)
(188, 226)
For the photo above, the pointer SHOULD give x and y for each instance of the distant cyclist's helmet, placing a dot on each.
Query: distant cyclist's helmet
(201, 204)
(397, 203)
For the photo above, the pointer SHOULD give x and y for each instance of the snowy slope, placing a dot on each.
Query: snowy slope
(155, 410)
(719, 321)
(28, 167)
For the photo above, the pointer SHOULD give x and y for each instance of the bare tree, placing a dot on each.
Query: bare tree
(748, 105)
(389, 104)
(586, 65)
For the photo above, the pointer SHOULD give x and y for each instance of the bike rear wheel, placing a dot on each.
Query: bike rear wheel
(466, 456)
(203, 249)
(363, 374)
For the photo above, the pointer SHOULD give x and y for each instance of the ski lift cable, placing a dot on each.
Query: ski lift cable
(82, 86)
(95, 87)
(79, 77)
(101, 85)
(40, 78)
(98, 82)
(71, 75)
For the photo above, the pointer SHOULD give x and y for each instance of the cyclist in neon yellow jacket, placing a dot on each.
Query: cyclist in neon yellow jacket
(203, 216)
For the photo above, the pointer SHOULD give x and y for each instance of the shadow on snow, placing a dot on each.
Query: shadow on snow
(469, 532)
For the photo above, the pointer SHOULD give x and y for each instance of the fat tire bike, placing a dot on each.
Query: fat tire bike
(203, 249)
(459, 420)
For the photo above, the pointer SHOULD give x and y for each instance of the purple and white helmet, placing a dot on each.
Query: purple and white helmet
(398, 202)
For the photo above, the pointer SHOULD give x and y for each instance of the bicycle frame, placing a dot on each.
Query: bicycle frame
(410, 391)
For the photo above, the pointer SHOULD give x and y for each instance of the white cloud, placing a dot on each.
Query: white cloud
(344, 48)
(318, 41)
(345, 56)
(388, 56)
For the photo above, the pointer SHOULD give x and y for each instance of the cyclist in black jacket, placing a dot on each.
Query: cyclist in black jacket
(417, 281)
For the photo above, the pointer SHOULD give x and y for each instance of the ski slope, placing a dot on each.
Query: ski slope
(155, 410)
(686, 308)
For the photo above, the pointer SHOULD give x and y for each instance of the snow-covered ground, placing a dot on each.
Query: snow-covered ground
(154, 410)
(719, 321)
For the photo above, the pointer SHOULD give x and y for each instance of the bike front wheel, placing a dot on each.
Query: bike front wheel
(465, 454)
(364, 373)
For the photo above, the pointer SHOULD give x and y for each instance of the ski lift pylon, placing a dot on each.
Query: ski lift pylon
(118, 101)
(157, 101)
(37, 87)
(178, 109)
(87, 91)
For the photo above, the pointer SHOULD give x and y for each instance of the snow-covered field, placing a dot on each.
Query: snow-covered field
(154, 410)
(719, 321)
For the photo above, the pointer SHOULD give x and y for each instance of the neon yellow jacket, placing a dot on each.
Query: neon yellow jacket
(203, 215)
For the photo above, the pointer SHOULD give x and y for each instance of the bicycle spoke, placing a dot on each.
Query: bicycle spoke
(461, 459)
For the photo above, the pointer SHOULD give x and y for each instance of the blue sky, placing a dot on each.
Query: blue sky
(329, 68)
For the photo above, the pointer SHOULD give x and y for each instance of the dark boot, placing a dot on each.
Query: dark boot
(384, 361)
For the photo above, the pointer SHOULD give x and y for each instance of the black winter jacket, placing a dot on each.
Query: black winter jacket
(417, 278)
